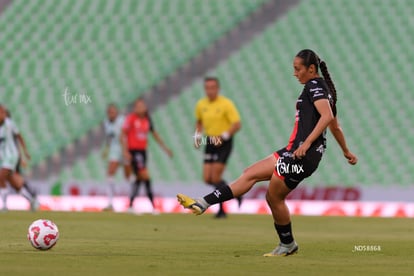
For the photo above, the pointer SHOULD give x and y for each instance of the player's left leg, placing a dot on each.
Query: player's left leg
(144, 175)
(134, 192)
(275, 198)
(127, 171)
(136, 160)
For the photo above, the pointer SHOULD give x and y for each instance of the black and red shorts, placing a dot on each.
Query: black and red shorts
(293, 171)
(138, 160)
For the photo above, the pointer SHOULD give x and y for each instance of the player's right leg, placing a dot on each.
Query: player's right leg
(17, 182)
(8, 165)
(3, 187)
(111, 170)
(21, 163)
(259, 171)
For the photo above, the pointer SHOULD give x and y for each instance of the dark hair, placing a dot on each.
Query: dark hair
(309, 57)
(212, 79)
(141, 99)
(110, 105)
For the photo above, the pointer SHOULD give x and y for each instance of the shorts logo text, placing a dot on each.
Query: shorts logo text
(283, 168)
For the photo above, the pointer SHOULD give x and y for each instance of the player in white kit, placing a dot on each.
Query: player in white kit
(9, 158)
(24, 157)
(113, 149)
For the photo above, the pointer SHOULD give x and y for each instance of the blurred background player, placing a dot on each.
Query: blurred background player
(9, 158)
(218, 118)
(134, 141)
(113, 149)
(23, 158)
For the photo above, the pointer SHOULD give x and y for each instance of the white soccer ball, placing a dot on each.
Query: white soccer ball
(43, 234)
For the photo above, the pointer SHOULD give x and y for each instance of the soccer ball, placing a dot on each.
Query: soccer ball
(43, 234)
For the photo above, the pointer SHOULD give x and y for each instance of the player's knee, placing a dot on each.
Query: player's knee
(143, 175)
(274, 199)
(268, 199)
(249, 174)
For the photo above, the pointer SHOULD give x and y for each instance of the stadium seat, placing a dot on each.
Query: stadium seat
(110, 50)
(367, 46)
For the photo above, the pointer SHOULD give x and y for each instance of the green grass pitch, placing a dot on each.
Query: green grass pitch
(124, 244)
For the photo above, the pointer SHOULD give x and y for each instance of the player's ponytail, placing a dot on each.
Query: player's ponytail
(327, 77)
(309, 57)
(329, 82)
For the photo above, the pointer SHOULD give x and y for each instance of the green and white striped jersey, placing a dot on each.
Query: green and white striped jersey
(7, 144)
(113, 131)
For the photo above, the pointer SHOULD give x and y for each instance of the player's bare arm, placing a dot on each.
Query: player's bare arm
(124, 143)
(160, 142)
(324, 109)
(338, 133)
(23, 146)
(235, 127)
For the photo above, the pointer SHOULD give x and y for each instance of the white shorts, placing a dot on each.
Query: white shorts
(115, 154)
(9, 162)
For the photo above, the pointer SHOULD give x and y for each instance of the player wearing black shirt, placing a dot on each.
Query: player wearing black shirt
(287, 167)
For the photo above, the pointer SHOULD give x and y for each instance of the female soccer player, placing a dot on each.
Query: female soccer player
(287, 167)
(218, 117)
(113, 149)
(9, 156)
(24, 156)
(134, 141)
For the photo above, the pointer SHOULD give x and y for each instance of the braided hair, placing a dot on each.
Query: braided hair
(309, 57)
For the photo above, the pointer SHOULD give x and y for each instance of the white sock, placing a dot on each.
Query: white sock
(203, 202)
(3, 194)
(111, 189)
(24, 192)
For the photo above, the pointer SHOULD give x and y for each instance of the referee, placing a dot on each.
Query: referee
(218, 118)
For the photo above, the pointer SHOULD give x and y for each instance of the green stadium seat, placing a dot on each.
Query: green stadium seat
(117, 51)
(105, 48)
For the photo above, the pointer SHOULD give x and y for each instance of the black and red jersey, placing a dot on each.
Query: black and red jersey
(137, 129)
(307, 115)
